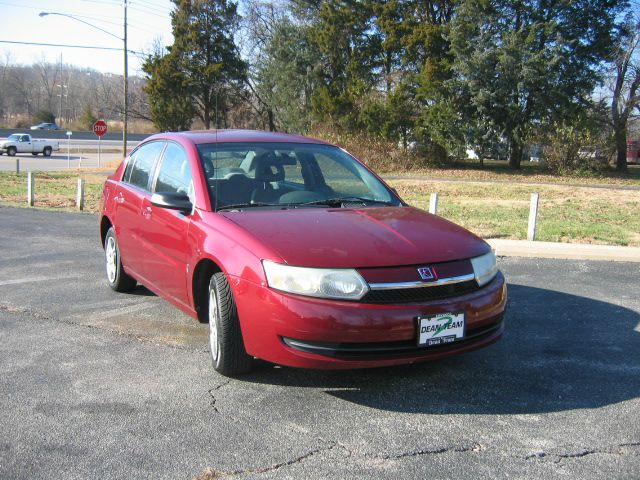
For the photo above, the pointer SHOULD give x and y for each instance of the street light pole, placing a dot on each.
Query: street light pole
(126, 65)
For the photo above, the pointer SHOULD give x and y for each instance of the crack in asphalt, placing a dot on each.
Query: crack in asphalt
(476, 447)
(210, 473)
(213, 397)
(612, 450)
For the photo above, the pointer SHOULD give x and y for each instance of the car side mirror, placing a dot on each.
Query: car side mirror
(172, 201)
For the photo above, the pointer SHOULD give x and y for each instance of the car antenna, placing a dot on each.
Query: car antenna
(215, 158)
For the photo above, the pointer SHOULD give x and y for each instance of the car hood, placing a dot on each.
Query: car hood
(367, 237)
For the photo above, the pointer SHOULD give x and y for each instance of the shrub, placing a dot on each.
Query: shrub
(379, 154)
(575, 149)
(44, 116)
(87, 119)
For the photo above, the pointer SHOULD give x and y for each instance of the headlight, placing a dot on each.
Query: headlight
(346, 284)
(484, 268)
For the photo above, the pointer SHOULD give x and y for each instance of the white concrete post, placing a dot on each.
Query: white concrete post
(69, 133)
(80, 194)
(31, 194)
(433, 203)
(17, 166)
(533, 217)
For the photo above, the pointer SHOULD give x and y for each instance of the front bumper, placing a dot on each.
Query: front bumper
(309, 332)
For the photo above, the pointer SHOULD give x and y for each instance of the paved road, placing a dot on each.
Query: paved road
(61, 135)
(99, 384)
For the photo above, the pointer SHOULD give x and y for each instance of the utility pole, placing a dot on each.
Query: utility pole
(126, 85)
(62, 85)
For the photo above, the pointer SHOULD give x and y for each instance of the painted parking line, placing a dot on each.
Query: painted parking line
(37, 278)
(116, 312)
(110, 304)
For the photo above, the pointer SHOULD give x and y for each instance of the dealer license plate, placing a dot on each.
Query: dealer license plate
(440, 328)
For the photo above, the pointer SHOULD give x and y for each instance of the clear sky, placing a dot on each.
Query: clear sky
(148, 21)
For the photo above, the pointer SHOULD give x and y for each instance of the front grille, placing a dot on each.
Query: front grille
(422, 294)
(387, 349)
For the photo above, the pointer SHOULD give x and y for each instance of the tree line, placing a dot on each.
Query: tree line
(447, 75)
(72, 97)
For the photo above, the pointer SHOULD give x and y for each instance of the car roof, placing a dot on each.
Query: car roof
(237, 136)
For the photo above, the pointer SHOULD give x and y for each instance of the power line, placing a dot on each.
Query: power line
(153, 6)
(70, 46)
(102, 2)
(100, 19)
(148, 12)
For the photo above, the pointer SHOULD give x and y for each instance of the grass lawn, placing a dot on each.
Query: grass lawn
(53, 190)
(567, 213)
(499, 171)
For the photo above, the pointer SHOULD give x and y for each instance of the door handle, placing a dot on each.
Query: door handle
(146, 212)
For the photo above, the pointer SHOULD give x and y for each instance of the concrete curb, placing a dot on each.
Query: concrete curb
(570, 251)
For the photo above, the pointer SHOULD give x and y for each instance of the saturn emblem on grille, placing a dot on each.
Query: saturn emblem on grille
(426, 273)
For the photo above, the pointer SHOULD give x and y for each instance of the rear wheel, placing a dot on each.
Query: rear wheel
(11, 151)
(228, 354)
(116, 276)
(46, 152)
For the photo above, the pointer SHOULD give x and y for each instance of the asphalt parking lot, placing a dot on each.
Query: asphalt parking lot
(99, 384)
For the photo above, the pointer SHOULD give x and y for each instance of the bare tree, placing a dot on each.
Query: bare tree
(259, 21)
(47, 75)
(626, 86)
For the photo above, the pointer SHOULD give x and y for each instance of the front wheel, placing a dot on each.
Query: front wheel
(47, 151)
(34, 153)
(116, 276)
(228, 354)
(11, 151)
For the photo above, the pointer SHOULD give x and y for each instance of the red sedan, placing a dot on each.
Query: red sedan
(296, 253)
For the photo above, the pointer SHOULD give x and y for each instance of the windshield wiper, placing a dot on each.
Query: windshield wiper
(338, 201)
(240, 206)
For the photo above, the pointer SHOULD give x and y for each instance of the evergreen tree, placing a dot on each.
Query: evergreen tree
(285, 77)
(87, 119)
(525, 63)
(202, 68)
(349, 53)
(168, 89)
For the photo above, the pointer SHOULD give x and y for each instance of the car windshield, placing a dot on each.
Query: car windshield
(254, 175)
(14, 137)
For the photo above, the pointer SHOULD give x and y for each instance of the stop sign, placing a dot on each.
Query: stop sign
(100, 128)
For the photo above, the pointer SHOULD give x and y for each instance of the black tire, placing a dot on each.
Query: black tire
(34, 153)
(46, 152)
(11, 151)
(228, 354)
(117, 278)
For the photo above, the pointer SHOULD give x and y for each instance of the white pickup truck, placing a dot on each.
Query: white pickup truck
(23, 143)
